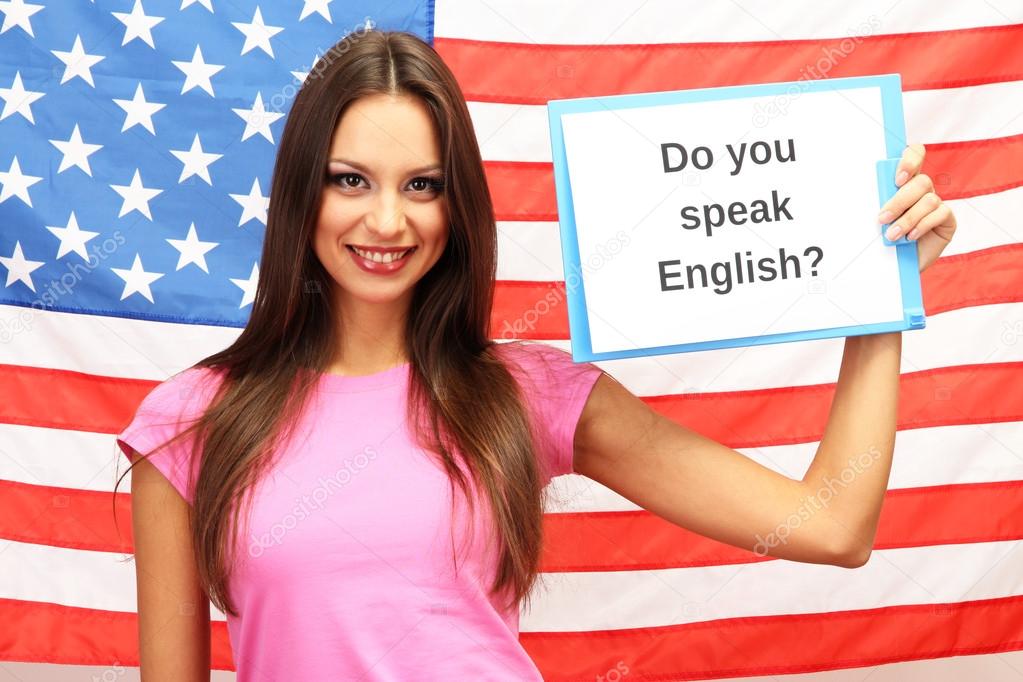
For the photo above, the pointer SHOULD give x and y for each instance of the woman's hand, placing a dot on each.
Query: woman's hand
(917, 210)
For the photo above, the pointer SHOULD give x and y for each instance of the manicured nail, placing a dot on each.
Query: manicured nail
(913, 234)
(901, 177)
(893, 233)
(885, 217)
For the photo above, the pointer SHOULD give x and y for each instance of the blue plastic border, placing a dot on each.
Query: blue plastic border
(890, 86)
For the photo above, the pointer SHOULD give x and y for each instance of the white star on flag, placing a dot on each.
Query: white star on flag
(196, 161)
(16, 184)
(258, 119)
(248, 286)
(254, 204)
(257, 34)
(198, 72)
(137, 24)
(202, 3)
(77, 62)
(18, 100)
(19, 269)
(301, 76)
(72, 238)
(138, 111)
(192, 250)
(17, 13)
(136, 196)
(76, 152)
(319, 6)
(137, 280)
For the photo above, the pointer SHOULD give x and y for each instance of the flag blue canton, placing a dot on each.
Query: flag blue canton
(137, 141)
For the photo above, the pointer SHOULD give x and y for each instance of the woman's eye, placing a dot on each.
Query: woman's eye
(342, 179)
(428, 184)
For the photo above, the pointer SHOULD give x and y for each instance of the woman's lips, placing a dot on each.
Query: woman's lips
(372, 266)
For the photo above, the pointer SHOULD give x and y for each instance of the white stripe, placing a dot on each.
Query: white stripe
(531, 251)
(107, 346)
(977, 112)
(981, 334)
(61, 458)
(892, 577)
(71, 577)
(627, 599)
(681, 21)
(1000, 667)
(516, 132)
(923, 457)
(114, 672)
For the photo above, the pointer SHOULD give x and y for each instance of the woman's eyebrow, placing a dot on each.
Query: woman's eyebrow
(359, 166)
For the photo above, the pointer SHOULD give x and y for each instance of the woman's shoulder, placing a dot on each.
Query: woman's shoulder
(532, 354)
(555, 388)
(184, 393)
(553, 381)
(542, 362)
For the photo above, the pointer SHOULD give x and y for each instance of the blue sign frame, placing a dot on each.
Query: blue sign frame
(890, 86)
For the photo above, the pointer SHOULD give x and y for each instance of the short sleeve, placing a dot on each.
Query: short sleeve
(168, 409)
(556, 389)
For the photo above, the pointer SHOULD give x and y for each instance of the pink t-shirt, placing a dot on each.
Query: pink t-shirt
(345, 571)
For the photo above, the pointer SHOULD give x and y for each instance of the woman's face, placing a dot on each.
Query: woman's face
(382, 197)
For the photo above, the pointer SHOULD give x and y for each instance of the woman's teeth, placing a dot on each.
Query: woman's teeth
(378, 257)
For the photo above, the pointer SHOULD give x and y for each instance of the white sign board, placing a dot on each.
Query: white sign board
(731, 216)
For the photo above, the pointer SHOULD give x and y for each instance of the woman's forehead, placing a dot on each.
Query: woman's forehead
(390, 129)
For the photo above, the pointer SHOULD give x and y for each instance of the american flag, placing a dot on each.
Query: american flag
(136, 143)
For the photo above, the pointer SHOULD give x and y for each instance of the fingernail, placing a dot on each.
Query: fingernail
(913, 234)
(893, 233)
(901, 177)
(885, 217)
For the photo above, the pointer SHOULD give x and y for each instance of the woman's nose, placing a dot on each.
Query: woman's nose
(386, 218)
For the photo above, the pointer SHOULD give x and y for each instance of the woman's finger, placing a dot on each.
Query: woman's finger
(910, 164)
(908, 221)
(906, 196)
(941, 215)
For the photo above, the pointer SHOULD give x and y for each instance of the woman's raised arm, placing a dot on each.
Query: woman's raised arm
(700, 484)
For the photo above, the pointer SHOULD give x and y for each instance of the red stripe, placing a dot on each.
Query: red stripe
(62, 399)
(538, 310)
(525, 191)
(778, 645)
(52, 633)
(759, 645)
(911, 517)
(964, 394)
(66, 517)
(527, 73)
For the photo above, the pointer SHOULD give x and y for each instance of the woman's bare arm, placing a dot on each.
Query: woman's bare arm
(709, 488)
(174, 613)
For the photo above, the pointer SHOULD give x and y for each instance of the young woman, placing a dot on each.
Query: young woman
(369, 497)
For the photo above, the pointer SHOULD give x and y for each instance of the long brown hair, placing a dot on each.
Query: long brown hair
(293, 327)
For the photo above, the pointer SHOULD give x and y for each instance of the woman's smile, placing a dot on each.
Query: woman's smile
(380, 261)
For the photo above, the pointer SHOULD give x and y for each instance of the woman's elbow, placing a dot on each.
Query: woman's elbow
(850, 556)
